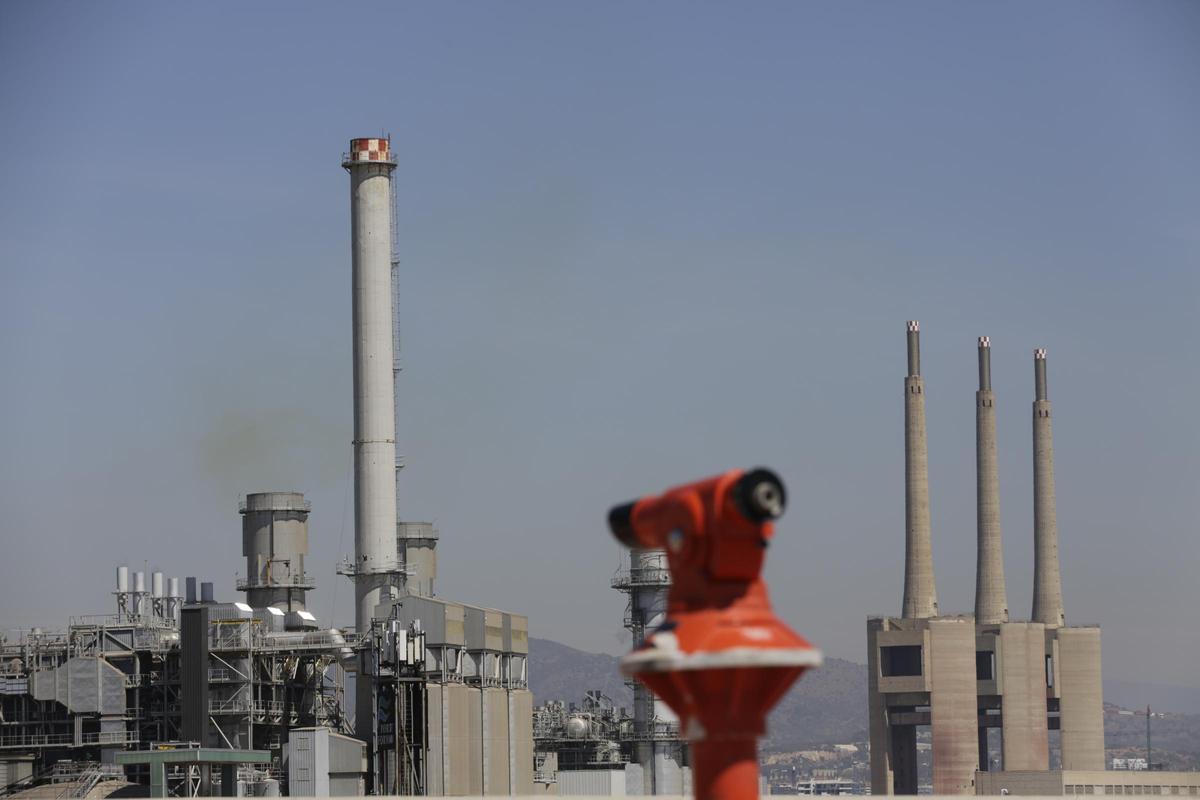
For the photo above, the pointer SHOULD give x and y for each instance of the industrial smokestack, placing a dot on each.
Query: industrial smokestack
(206, 592)
(1047, 580)
(991, 599)
(376, 563)
(189, 590)
(920, 595)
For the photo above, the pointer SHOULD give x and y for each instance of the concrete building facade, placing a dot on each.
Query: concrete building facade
(964, 677)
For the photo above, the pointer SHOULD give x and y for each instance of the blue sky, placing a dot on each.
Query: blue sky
(641, 243)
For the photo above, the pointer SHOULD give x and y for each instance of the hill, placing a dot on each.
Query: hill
(827, 705)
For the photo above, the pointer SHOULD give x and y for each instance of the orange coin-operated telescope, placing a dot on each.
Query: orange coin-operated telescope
(722, 659)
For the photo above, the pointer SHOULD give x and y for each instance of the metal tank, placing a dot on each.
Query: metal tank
(275, 544)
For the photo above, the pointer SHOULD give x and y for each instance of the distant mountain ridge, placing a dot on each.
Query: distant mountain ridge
(828, 705)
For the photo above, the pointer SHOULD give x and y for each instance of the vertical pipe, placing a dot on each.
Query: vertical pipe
(920, 594)
(370, 165)
(1047, 578)
(139, 593)
(173, 599)
(991, 599)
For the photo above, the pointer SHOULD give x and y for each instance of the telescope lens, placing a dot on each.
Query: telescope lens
(759, 495)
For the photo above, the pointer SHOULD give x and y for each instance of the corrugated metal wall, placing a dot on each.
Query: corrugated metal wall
(591, 782)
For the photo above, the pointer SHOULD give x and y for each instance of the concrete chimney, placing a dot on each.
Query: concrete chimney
(1047, 579)
(920, 595)
(991, 599)
(376, 562)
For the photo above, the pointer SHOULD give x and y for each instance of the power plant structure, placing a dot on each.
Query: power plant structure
(655, 741)
(980, 683)
(441, 704)
(600, 748)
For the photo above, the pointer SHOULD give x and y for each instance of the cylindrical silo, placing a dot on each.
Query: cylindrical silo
(275, 543)
(370, 164)
(122, 580)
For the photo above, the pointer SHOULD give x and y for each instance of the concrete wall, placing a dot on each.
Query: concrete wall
(952, 705)
(520, 742)
(494, 703)
(1081, 699)
(435, 710)
(1093, 782)
(463, 758)
(1021, 678)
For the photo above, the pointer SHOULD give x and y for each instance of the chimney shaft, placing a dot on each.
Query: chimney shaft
(1047, 579)
(376, 561)
(189, 590)
(914, 348)
(920, 595)
(991, 598)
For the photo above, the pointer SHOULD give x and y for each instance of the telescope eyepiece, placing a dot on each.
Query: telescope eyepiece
(760, 495)
(620, 522)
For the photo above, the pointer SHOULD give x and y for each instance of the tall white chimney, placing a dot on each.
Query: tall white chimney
(376, 563)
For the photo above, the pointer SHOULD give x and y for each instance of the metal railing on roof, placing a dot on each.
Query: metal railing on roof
(642, 577)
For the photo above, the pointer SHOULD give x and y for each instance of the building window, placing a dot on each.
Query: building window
(1050, 672)
(985, 665)
(902, 660)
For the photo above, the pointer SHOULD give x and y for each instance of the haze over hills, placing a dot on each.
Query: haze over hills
(828, 705)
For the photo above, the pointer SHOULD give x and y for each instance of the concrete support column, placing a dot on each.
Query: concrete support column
(1022, 673)
(953, 708)
(1081, 698)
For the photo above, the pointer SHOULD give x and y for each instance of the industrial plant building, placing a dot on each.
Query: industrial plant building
(191, 696)
(992, 690)
(597, 748)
